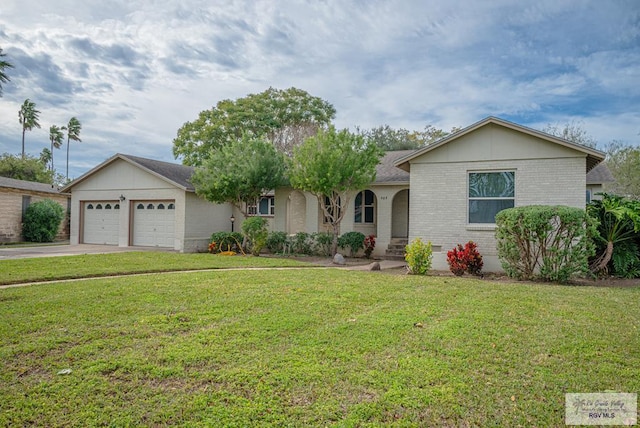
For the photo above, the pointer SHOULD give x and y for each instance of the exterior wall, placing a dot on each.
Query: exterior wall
(201, 219)
(438, 200)
(11, 213)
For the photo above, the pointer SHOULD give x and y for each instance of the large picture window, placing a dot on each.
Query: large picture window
(365, 207)
(490, 193)
(265, 206)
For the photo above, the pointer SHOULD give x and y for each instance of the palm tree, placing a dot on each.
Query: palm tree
(55, 136)
(28, 116)
(3, 65)
(73, 133)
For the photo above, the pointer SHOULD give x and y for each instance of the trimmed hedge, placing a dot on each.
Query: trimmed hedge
(42, 221)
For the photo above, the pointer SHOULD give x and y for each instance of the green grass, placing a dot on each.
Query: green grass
(14, 271)
(310, 348)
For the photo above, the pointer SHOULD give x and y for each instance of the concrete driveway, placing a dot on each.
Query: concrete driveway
(68, 250)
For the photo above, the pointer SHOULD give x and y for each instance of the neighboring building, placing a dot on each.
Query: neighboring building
(15, 198)
(446, 193)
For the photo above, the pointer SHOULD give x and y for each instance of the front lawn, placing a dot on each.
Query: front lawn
(91, 265)
(309, 348)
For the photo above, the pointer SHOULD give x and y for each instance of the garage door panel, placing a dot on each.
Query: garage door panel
(101, 222)
(154, 223)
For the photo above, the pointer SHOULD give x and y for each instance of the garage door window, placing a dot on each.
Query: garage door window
(160, 206)
(140, 207)
(89, 207)
(171, 207)
(99, 206)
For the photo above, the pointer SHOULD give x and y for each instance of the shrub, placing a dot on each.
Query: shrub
(255, 230)
(277, 242)
(42, 220)
(323, 241)
(369, 245)
(551, 243)
(302, 243)
(225, 241)
(418, 256)
(352, 240)
(465, 259)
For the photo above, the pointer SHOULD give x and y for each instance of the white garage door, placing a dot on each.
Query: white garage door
(101, 222)
(154, 223)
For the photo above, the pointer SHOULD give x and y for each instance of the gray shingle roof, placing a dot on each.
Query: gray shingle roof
(600, 174)
(179, 174)
(28, 185)
(386, 172)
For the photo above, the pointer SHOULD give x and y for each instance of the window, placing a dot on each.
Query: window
(116, 207)
(588, 195)
(490, 193)
(89, 207)
(171, 207)
(365, 207)
(26, 201)
(107, 207)
(265, 206)
(150, 206)
(160, 206)
(99, 206)
(140, 207)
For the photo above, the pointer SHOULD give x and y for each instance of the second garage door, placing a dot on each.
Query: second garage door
(154, 223)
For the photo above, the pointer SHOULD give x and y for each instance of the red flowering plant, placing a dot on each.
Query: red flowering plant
(465, 259)
(212, 247)
(369, 245)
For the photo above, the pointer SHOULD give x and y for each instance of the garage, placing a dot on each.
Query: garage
(154, 223)
(101, 220)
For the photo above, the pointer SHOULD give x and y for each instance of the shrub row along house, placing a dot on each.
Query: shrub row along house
(446, 193)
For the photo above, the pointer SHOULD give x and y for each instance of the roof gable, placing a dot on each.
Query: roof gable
(593, 156)
(387, 172)
(174, 174)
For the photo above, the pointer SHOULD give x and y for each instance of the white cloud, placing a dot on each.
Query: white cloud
(134, 71)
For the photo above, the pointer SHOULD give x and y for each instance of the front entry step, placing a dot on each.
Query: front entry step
(395, 249)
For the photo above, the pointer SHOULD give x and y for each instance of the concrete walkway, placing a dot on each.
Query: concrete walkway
(20, 252)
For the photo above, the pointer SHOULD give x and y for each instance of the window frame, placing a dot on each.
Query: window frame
(363, 207)
(253, 209)
(489, 198)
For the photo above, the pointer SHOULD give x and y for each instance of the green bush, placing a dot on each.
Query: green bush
(302, 243)
(277, 242)
(42, 221)
(225, 241)
(255, 230)
(322, 243)
(550, 243)
(418, 256)
(352, 240)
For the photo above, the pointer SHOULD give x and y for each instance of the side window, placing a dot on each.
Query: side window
(490, 193)
(26, 201)
(365, 207)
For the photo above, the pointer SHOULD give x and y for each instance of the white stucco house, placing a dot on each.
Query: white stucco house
(446, 193)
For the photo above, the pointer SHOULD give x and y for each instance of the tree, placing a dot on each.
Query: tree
(4, 65)
(28, 117)
(571, 131)
(73, 129)
(624, 163)
(28, 168)
(240, 172)
(330, 165)
(55, 136)
(283, 117)
(389, 139)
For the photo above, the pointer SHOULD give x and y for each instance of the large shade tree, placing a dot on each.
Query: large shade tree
(73, 129)
(332, 165)
(283, 117)
(56, 137)
(28, 116)
(388, 138)
(624, 162)
(4, 65)
(26, 168)
(240, 172)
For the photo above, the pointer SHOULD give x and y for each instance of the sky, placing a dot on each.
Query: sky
(134, 71)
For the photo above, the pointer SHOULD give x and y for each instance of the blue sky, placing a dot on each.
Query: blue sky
(133, 71)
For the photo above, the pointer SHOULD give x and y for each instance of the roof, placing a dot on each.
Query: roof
(594, 157)
(31, 186)
(600, 174)
(173, 173)
(387, 172)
